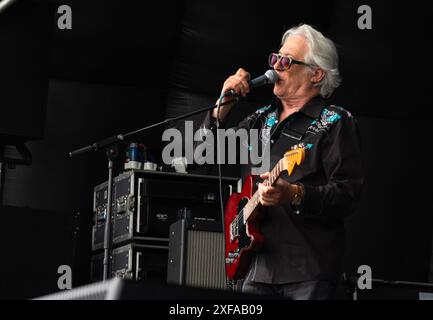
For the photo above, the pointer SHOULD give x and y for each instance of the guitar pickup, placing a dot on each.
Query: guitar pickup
(234, 230)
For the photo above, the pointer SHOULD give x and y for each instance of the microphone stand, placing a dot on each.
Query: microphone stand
(111, 150)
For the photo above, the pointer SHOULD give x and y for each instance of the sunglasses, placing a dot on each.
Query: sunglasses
(286, 62)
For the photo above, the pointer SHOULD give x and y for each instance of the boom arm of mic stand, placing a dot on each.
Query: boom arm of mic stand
(108, 142)
(105, 143)
(184, 116)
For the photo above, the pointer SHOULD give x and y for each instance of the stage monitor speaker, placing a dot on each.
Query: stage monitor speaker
(108, 290)
(196, 254)
(118, 289)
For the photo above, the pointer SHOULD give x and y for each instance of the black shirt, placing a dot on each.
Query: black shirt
(307, 242)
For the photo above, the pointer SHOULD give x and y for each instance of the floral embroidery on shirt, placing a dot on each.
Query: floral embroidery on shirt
(325, 122)
(271, 119)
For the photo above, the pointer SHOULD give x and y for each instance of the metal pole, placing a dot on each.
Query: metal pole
(107, 231)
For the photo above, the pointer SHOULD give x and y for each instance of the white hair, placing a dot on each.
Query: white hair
(322, 53)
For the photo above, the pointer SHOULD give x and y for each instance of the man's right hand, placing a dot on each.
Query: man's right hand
(237, 82)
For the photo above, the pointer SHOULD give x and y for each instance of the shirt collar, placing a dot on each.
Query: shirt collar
(313, 108)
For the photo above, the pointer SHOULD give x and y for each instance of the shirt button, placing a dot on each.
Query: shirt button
(272, 140)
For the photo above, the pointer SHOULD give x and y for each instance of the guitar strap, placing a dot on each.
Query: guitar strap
(290, 135)
(296, 131)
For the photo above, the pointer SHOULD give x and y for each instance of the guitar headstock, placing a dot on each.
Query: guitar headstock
(293, 158)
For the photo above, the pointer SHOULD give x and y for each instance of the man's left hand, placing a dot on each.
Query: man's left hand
(281, 192)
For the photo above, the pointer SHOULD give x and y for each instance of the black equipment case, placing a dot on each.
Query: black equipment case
(146, 203)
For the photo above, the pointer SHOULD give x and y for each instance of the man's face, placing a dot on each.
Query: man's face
(296, 81)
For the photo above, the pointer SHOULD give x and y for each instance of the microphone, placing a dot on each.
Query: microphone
(269, 77)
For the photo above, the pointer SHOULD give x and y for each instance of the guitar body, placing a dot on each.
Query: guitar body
(241, 239)
(241, 221)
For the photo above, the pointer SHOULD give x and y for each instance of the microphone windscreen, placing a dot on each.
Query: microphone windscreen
(272, 76)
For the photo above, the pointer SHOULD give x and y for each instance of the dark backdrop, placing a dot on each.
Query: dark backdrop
(124, 66)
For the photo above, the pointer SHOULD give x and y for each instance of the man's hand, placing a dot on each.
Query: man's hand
(281, 192)
(237, 82)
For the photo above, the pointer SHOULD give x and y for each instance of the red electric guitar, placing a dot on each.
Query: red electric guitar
(242, 234)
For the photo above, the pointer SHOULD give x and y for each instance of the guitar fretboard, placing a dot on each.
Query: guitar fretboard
(254, 201)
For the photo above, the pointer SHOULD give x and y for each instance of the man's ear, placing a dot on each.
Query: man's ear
(317, 75)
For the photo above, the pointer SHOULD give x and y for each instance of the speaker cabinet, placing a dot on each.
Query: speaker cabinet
(196, 254)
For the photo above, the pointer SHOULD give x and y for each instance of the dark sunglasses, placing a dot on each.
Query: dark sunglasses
(285, 61)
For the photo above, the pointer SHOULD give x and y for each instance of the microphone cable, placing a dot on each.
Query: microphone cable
(219, 164)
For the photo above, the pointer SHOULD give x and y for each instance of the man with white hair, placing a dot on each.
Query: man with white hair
(302, 214)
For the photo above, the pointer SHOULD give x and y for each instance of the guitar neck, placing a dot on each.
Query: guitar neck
(252, 204)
